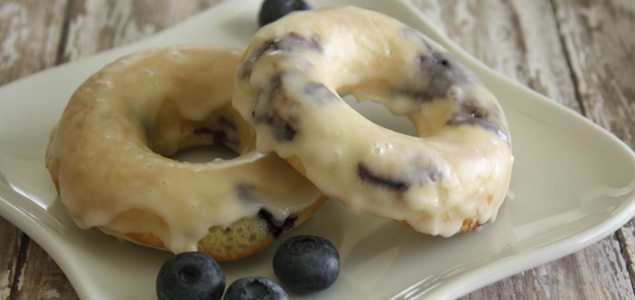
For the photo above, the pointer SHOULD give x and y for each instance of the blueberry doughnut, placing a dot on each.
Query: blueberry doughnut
(110, 158)
(450, 178)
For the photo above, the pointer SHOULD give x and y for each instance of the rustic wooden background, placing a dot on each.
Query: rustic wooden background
(578, 52)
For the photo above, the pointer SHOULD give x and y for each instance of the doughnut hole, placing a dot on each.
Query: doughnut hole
(222, 135)
(380, 115)
(201, 154)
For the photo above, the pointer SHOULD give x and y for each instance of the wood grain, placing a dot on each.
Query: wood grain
(576, 52)
(523, 40)
(598, 37)
(96, 25)
(599, 40)
(30, 37)
(41, 278)
(9, 253)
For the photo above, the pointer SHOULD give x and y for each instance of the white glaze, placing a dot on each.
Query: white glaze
(454, 176)
(101, 155)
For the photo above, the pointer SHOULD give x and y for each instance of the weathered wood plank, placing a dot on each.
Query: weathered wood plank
(97, 25)
(41, 278)
(598, 37)
(520, 39)
(626, 236)
(29, 36)
(9, 250)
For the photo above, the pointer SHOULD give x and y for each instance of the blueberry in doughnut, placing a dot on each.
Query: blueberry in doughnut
(272, 10)
(110, 158)
(450, 178)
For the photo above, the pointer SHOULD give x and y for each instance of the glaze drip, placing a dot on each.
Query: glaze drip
(457, 168)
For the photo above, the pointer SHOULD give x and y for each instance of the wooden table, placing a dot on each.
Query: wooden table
(579, 53)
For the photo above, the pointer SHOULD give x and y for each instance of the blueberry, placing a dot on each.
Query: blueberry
(190, 275)
(306, 264)
(249, 288)
(272, 10)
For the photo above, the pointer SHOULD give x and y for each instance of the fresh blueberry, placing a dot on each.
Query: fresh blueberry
(252, 288)
(272, 10)
(190, 275)
(306, 264)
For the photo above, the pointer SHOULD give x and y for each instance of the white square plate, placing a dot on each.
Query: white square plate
(573, 182)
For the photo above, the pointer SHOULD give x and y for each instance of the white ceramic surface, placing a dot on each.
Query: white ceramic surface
(573, 184)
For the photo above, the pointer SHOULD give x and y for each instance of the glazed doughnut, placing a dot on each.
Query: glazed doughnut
(450, 178)
(109, 158)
